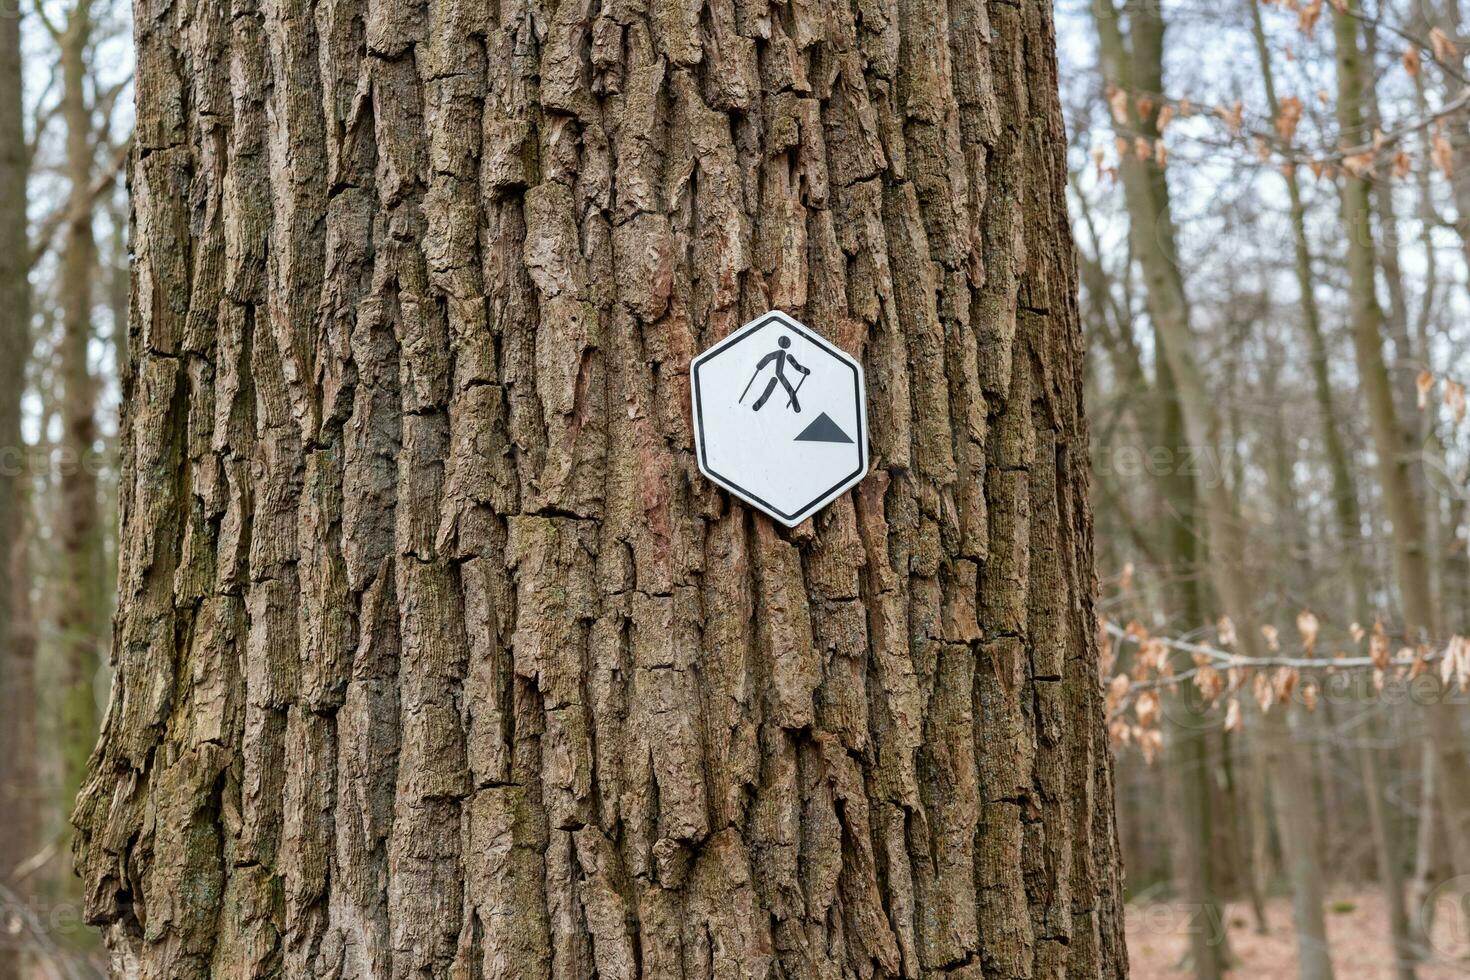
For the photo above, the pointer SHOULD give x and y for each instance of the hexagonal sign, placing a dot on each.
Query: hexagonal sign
(780, 417)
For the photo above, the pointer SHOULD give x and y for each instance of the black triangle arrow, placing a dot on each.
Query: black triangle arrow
(823, 429)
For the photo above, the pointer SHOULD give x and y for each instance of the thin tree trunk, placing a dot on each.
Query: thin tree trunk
(1429, 862)
(1455, 131)
(18, 841)
(1404, 367)
(80, 589)
(1385, 851)
(1457, 572)
(1258, 799)
(1252, 838)
(436, 657)
(1187, 715)
(1409, 357)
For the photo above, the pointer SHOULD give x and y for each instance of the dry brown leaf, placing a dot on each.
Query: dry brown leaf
(1442, 155)
(1232, 116)
(1118, 103)
(1454, 399)
(1285, 682)
(1166, 116)
(1273, 637)
(1152, 743)
(1411, 61)
(1263, 692)
(1443, 48)
(1420, 664)
(1308, 626)
(1232, 715)
(1307, 16)
(1378, 645)
(1209, 682)
(1358, 163)
(1425, 384)
(1146, 709)
(1288, 116)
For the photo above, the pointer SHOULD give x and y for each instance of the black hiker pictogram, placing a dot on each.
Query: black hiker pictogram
(782, 358)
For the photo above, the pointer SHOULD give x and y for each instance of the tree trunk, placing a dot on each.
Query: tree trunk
(1188, 717)
(17, 638)
(80, 588)
(1430, 867)
(1254, 839)
(435, 656)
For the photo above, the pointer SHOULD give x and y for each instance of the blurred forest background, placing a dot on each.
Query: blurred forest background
(1271, 204)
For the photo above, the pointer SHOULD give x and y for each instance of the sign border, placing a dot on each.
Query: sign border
(792, 518)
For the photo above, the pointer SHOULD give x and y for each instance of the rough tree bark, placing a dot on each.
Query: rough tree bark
(17, 639)
(436, 657)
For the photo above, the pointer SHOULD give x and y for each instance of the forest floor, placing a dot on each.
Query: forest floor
(1158, 937)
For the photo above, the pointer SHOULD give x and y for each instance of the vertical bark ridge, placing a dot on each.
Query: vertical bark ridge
(436, 657)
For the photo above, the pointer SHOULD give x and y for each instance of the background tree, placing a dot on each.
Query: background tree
(65, 119)
(81, 606)
(17, 638)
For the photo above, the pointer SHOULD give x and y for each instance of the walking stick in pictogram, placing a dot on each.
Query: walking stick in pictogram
(791, 398)
(741, 399)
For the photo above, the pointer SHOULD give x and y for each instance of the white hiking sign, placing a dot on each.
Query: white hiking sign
(780, 417)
